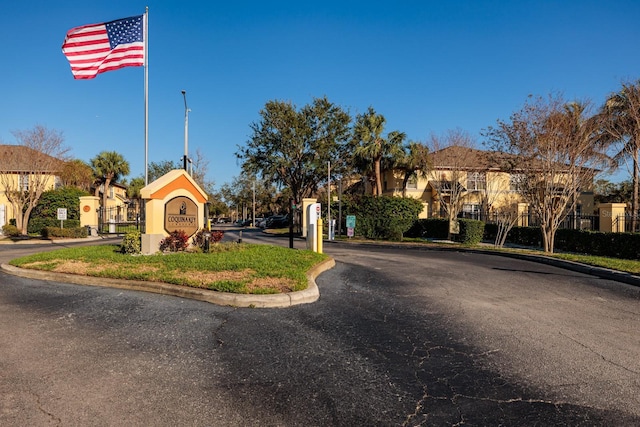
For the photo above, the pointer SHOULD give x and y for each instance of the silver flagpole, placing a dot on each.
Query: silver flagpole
(146, 97)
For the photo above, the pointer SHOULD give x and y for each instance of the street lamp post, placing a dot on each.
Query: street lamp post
(186, 131)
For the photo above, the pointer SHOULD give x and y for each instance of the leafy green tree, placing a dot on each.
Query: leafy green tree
(371, 147)
(158, 169)
(291, 148)
(45, 214)
(64, 197)
(240, 192)
(134, 187)
(609, 192)
(109, 166)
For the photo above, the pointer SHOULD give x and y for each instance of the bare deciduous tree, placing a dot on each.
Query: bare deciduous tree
(506, 217)
(451, 155)
(555, 154)
(29, 168)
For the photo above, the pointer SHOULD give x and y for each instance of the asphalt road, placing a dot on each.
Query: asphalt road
(398, 337)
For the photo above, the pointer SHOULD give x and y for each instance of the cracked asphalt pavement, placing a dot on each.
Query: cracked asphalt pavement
(399, 337)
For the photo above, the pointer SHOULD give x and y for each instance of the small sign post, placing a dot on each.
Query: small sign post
(62, 216)
(351, 225)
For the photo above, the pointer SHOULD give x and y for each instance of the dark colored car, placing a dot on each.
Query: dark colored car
(277, 221)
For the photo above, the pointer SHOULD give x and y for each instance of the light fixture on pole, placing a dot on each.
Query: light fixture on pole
(186, 131)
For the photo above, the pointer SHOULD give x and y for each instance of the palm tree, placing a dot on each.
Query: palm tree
(109, 166)
(371, 146)
(413, 162)
(621, 119)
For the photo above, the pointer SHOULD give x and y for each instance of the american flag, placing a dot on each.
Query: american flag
(96, 48)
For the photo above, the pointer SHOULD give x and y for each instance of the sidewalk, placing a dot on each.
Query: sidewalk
(41, 241)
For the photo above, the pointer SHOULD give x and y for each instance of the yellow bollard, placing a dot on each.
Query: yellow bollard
(319, 236)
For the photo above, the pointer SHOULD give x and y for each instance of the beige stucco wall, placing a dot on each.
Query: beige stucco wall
(13, 180)
(497, 193)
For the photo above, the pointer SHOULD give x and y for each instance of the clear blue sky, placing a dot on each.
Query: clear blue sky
(427, 66)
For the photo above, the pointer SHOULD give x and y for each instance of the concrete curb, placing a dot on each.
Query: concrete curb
(309, 295)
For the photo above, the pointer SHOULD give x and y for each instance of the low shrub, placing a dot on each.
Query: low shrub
(433, 228)
(37, 225)
(131, 243)
(10, 230)
(175, 242)
(64, 233)
(471, 231)
(215, 237)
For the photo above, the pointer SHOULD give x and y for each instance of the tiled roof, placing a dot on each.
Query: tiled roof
(465, 158)
(18, 158)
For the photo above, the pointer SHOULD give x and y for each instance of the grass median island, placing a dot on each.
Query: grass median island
(230, 267)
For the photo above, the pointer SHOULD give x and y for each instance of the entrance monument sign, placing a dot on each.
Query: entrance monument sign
(172, 202)
(181, 213)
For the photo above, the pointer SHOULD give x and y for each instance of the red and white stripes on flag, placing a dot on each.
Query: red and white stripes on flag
(97, 48)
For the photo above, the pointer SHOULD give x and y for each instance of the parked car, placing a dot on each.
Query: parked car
(277, 221)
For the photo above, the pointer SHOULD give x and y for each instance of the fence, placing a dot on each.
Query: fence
(122, 219)
(626, 223)
(571, 222)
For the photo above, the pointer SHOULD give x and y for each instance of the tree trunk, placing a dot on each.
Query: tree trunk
(404, 185)
(548, 235)
(25, 219)
(634, 196)
(378, 177)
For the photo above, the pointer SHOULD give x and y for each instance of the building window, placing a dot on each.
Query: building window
(471, 210)
(412, 183)
(476, 181)
(24, 182)
(111, 192)
(516, 182)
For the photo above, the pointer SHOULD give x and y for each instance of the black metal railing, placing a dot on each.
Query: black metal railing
(122, 218)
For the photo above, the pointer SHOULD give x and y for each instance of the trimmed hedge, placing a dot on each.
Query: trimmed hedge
(433, 228)
(383, 217)
(471, 231)
(69, 233)
(614, 245)
(37, 225)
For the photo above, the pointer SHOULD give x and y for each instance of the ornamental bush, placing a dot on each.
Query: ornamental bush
(68, 233)
(10, 230)
(215, 237)
(131, 243)
(175, 242)
(383, 217)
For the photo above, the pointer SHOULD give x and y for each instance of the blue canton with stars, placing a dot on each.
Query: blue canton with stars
(123, 31)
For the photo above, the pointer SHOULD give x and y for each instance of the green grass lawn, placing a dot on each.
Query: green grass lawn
(230, 267)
